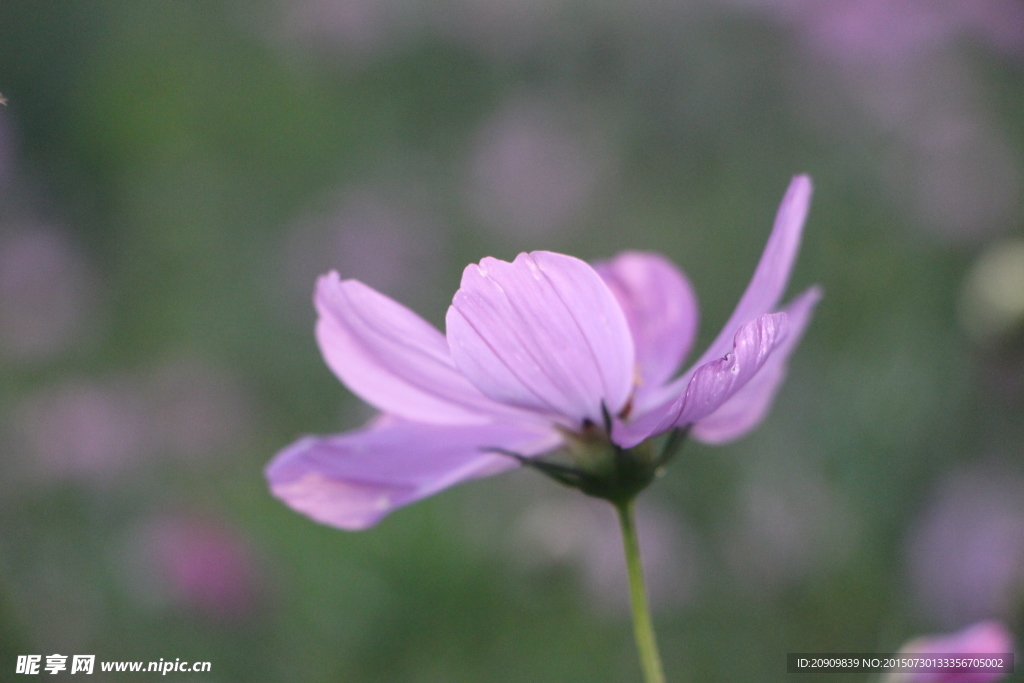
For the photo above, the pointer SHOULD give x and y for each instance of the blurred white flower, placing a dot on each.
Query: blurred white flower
(992, 298)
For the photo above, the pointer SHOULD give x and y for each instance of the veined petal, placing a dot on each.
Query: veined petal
(715, 382)
(766, 287)
(543, 333)
(772, 274)
(749, 405)
(661, 309)
(391, 358)
(352, 480)
(711, 384)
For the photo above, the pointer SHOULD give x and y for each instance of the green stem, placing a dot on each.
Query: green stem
(646, 643)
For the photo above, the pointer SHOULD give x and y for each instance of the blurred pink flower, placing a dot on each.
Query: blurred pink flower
(83, 430)
(389, 242)
(95, 431)
(46, 292)
(361, 29)
(1000, 22)
(966, 553)
(539, 353)
(532, 171)
(946, 159)
(988, 637)
(896, 30)
(195, 563)
(869, 30)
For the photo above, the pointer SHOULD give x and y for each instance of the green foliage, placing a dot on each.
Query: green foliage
(179, 143)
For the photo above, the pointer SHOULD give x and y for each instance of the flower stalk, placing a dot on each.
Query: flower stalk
(643, 628)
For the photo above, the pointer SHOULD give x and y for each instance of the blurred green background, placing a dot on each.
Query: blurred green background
(174, 175)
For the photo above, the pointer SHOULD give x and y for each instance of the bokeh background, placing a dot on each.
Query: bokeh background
(174, 175)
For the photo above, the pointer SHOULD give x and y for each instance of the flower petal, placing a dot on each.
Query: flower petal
(766, 287)
(661, 310)
(715, 382)
(749, 405)
(711, 384)
(986, 637)
(543, 333)
(352, 480)
(772, 274)
(392, 358)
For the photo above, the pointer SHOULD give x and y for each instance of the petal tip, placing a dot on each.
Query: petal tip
(298, 483)
(328, 285)
(798, 198)
(336, 503)
(331, 277)
(802, 182)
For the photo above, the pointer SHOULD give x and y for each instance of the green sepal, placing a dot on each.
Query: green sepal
(591, 462)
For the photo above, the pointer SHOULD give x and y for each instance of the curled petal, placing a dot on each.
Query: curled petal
(768, 284)
(772, 274)
(543, 333)
(352, 480)
(749, 405)
(713, 383)
(661, 310)
(391, 358)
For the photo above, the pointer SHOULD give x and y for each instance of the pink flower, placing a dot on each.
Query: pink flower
(987, 637)
(541, 354)
(195, 562)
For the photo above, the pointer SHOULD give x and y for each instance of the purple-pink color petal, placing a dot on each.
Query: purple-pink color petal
(987, 637)
(391, 358)
(713, 383)
(749, 405)
(769, 282)
(772, 274)
(543, 333)
(352, 480)
(661, 310)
